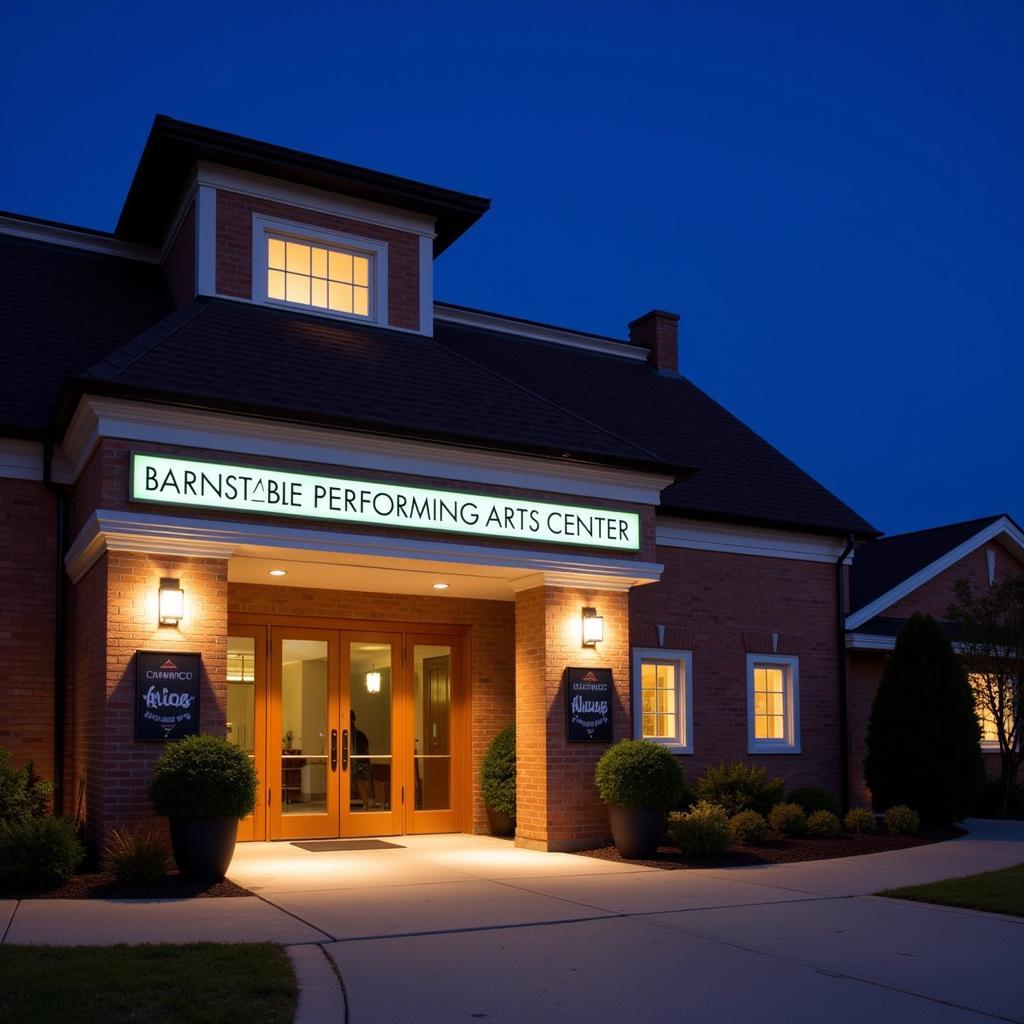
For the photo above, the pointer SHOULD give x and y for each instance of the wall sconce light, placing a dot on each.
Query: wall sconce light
(593, 628)
(373, 681)
(172, 602)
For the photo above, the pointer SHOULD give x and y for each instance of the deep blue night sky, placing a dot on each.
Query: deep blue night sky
(829, 194)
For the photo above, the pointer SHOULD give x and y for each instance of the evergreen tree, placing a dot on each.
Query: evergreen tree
(923, 738)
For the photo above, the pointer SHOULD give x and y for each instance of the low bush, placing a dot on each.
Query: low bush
(23, 794)
(860, 821)
(638, 773)
(824, 824)
(739, 787)
(135, 855)
(498, 773)
(902, 821)
(788, 819)
(702, 831)
(749, 828)
(203, 777)
(813, 798)
(38, 853)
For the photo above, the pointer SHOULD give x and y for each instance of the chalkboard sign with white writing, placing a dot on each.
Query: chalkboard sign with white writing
(166, 695)
(588, 705)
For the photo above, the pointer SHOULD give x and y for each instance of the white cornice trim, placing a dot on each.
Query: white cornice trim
(700, 535)
(57, 234)
(259, 186)
(156, 424)
(1001, 527)
(538, 332)
(21, 460)
(206, 538)
(875, 642)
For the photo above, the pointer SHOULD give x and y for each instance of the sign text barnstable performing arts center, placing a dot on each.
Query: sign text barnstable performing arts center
(180, 481)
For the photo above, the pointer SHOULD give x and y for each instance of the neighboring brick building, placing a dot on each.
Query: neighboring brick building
(896, 576)
(386, 516)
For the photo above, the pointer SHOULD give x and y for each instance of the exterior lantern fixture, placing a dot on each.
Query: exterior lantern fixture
(593, 627)
(172, 602)
(373, 681)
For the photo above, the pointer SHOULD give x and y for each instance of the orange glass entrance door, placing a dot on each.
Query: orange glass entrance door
(303, 734)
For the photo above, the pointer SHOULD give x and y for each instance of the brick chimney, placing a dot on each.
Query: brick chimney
(658, 331)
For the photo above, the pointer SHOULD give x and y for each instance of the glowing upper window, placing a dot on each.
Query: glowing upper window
(317, 276)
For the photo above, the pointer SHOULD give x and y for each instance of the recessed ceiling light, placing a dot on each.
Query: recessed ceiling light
(440, 586)
(278, 572)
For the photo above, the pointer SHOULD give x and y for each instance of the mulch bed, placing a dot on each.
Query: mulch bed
(103, 886)
(779, 850)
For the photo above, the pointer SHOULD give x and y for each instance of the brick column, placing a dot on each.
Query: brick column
(116, 615)
(557, 803)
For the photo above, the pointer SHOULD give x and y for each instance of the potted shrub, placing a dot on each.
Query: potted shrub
(639, 781)
(203, 785)
(498, 782)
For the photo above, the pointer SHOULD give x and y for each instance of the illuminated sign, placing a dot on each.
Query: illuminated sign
(172, 480)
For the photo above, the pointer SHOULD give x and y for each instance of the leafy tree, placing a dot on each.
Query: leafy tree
(990, 625)
(923, 737)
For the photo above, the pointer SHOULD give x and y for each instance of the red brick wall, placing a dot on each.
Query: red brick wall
(490, 643)
(722, 607)
(28, 553)
(122, 589)
(558, 805)
(180, 265)
(863, 672)
(234, 251)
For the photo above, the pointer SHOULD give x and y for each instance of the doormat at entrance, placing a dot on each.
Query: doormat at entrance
(334, 845)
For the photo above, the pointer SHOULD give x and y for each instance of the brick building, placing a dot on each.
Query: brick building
(241, 435)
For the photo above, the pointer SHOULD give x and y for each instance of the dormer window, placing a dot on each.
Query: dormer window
(322, 272)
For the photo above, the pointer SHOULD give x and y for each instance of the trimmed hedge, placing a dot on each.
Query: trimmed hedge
(38, 854)
(824, 825)
(749, 828)
(637, 773)
(739, 787)
(788, 819)
(814, 798)
(860, 821)
(902, 821)
(702, 831)
(498, 773)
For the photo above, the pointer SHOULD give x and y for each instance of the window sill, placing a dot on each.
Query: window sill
(671, 746)
(787, 748)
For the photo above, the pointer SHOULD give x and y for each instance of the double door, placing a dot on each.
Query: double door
(353, 732)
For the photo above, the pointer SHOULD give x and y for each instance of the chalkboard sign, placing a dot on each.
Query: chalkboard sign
(588, 705)
(166, 695)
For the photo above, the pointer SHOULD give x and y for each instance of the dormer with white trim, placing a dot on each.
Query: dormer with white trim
(244, 220)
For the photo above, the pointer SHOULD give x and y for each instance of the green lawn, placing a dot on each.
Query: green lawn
(1001, 892)
(201, 983)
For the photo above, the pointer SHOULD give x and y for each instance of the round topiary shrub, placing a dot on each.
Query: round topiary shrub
(739, 787)
(498, 773)
(701, 831)
(860, 821)
(788, 819)
(749, 828)
(902, 821)
(814, 798)
(38, 854)
(203, 777)
(637, 773)
(824, 825)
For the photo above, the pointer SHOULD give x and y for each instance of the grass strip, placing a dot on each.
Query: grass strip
(998, 892)
(198, 983)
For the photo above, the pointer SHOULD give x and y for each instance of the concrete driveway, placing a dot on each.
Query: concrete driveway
(463, 928)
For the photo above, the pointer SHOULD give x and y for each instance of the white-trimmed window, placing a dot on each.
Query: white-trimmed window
(322, 272)
(989, 732)
(663, 698)
(773, 704)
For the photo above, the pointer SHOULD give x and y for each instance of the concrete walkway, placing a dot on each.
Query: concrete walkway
(457, 928)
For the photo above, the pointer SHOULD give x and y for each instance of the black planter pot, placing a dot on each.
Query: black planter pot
(637, 831)
(501, 824)
(203, 847)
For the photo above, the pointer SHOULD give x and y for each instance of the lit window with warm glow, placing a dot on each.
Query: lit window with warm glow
(318, 276)
(989, 732)
(772, 704)
(663, 697)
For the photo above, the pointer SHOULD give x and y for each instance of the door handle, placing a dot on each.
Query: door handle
(344, 750)
(334, 750)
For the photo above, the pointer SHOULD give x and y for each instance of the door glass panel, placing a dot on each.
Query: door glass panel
(241, 692)
(370, 726)
(304, 729)
(432, 741)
